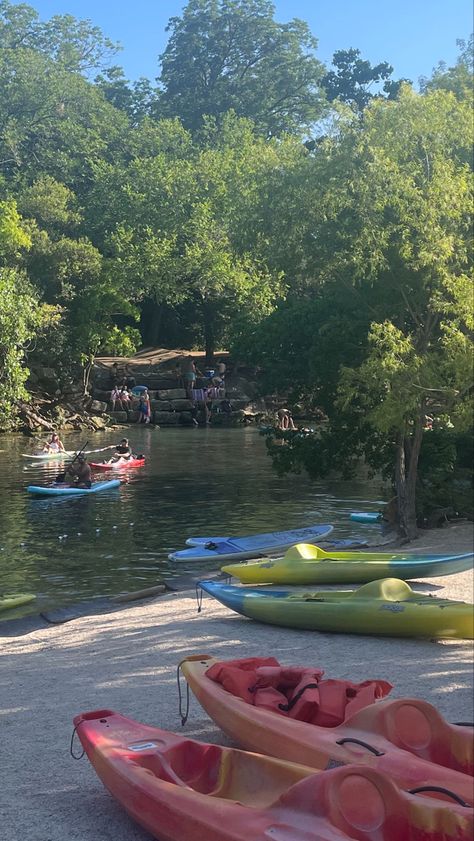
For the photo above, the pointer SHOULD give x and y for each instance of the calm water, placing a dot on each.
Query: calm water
(196, 481)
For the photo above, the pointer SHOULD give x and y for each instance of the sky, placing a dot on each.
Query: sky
(412, 35)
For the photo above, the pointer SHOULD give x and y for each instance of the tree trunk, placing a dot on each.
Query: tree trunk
(406, 472)
(209, 337)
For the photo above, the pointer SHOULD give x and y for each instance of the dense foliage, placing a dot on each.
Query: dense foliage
(314, 219)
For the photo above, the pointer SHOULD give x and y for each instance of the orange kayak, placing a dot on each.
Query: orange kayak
(407, 739)
(182, 790)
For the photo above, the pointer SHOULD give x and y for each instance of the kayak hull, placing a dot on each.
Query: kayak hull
(241, 548)
(10, 601)
(408, 738)
(48, 456)
(307, 564)
(385, 608)
(39, 490)
(178, 789)
(119, 465)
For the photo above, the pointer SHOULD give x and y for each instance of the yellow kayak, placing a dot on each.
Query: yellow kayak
(308, 564)
(10, 600)
(385, 608)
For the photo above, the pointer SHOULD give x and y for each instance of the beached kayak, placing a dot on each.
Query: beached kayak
(308, 564)
(388, 607)
(48, 456)
(178, 788)
(117, 465)
(10, 600)
(241, 548)
(66, 490)
(405, 738)
(367, 517)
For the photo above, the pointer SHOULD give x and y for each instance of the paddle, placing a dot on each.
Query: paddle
(61, 476)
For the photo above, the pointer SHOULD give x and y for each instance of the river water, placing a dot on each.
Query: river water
(195, 482)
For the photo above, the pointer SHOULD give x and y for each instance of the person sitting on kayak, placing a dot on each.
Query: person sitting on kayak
(122, 452)
(54, 445)
(78, 474)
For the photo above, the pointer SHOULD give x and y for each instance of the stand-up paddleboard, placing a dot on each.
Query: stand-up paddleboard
(367, 517)
(57, 490)
(252, 546)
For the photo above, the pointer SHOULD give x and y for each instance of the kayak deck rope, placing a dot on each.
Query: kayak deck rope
(362, 744)
(440, 790)
(183, 715)
(71, 747)
(199, 597)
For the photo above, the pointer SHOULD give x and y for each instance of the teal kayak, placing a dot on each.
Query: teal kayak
(52, 490)
(367, 517)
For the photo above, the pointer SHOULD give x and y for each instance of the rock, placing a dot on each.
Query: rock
(161, 405)
(132, 416)
(185, 418)
(98, 407)
(119, 417)
(98, 394)
(166, 418)
(98, 423)
(181, 405)
(171, 394)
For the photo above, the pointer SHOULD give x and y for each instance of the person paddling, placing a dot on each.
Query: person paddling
(78, 473)
(122, 451)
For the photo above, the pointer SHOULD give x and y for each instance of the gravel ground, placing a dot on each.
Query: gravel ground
(127, 661)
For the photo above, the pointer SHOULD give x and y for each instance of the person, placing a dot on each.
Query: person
(54, 445)
(285, 419)
(114, 375)
(144, 408)
(78, 473)
(122, 451)
(115, 397)
(189, 375)
(125, 398)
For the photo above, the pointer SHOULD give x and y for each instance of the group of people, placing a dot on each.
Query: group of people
(78, 472)
(125, 400)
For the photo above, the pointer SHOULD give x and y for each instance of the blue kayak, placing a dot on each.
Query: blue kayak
(367, 517)
(51, 490)
(242, 548)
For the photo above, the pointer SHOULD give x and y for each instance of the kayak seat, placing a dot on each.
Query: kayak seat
(387, 589)
(190, 764)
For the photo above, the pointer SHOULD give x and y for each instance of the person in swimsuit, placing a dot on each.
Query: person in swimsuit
(54, 445)
(144, 408)
(189, 375)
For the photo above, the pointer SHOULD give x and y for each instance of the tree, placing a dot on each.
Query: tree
(232, 55)
(353, 77)
(458, 79)
(392, 220)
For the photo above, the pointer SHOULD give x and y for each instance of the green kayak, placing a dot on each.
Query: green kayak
(10, 600)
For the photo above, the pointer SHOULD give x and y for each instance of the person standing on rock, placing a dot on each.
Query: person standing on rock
(189, 373)
(144, 408)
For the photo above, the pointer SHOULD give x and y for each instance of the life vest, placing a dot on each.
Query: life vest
(295, 691)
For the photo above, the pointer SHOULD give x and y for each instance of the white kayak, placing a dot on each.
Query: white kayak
(242, 548)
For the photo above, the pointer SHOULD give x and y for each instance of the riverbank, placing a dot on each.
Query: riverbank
(127, 661)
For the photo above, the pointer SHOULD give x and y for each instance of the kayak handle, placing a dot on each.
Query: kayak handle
(363, 744)
(463, 723)
(441, 790)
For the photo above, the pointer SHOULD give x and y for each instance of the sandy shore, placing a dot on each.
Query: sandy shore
(127, 661)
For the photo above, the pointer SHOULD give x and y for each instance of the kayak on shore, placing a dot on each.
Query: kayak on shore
(388, 607)
(309, 564)
(68, 490)
(8, 601)
(251, 546)
(178, 788)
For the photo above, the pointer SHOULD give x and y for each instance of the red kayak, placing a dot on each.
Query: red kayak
(178, 788)
(117, 465)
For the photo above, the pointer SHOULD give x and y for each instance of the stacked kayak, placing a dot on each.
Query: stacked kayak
(67, 490)
(241, 548)
(178, 788)
(8, 601)
(405, 738)
(117, 465)
(308, 564)
(388, 607)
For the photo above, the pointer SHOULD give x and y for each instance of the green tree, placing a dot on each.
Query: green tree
(353, 77)
(232, 54)
(458, 79)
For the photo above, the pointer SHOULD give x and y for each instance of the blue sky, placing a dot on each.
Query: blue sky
(412, 35)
